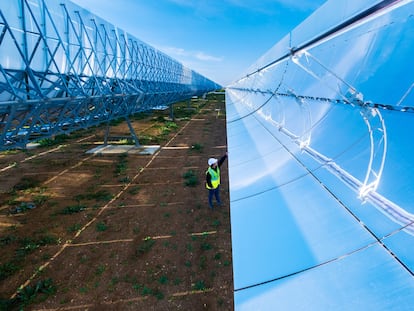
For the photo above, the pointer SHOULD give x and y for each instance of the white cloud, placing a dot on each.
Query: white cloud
(171, 51)
(206, 57)
(199, 61)
(268, 6)
(180, 53)
(304, 5)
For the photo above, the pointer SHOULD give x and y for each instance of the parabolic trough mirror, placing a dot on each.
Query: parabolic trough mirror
(63, 69)
(320, 140)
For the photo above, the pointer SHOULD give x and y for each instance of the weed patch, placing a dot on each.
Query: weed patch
(199, 285)
(72, 209)
(101, 195)
(74, 228)
(7, 269)
(49, 142)
(163, 279)
(26, 183)
(205, 246)
(29, 294)
(197, 147)
(190, 179)
(134, 190)
(145, 246)
(122, 165)
(9, 239)
(101, 226)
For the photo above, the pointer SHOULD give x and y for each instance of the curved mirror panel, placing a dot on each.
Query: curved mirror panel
(320, 164)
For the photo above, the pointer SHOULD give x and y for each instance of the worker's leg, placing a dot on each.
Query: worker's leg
(217, 195)
(210, 197)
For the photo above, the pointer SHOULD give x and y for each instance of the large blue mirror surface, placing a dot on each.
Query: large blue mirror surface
(355, 282)
(320, 164)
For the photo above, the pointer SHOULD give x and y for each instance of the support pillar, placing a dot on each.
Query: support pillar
(131, 130)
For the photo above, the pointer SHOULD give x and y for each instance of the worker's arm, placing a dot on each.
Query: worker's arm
(222, 159)
(208, 180)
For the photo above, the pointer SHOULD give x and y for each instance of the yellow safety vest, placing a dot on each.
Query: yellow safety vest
(215, 178)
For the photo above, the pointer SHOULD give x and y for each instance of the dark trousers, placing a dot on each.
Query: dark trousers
(216, 194)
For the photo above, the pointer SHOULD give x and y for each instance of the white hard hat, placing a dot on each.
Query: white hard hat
(211, 161)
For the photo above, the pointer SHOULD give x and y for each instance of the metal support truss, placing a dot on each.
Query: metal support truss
(62, 69)
(134, 136)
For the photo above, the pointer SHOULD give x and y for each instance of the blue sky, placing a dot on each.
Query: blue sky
(217, 38)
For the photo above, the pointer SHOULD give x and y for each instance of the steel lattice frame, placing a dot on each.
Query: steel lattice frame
(63, 69)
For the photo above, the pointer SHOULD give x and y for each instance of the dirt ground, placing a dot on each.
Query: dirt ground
(82, 231)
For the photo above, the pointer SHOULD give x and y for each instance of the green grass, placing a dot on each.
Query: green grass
(122, 164)
(27, 246)
(7, 269)
(158, 294)
(205, 246)
(168, 127)
(163, 279)
(190, 178)
(136, 230)
(26, 183)
(182, 111)
(74, 228)
(8, 239)
(40, 199)
(134, 190)
(146, 139)
(100, 270)
(28, 295)
(73, 209)
(197, 147)
(145, 291)
(101, 226)
(145, 246)
(199, 285)
(216, 223)
(48, 142)
(83, 290)
(100, 196)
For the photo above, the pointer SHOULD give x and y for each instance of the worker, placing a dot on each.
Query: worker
(213, 179)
